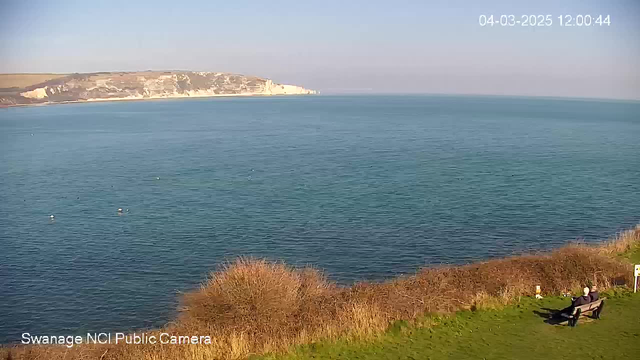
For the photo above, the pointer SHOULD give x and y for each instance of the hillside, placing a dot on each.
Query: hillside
(518, 331)
(23, 89)
(9, 82)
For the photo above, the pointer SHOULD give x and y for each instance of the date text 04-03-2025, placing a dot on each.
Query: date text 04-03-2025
(545, 20)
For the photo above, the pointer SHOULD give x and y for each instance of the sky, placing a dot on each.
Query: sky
(338, 46)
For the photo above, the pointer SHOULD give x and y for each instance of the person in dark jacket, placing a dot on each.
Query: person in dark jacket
(593, 293)
(577, 301)
(582, 300)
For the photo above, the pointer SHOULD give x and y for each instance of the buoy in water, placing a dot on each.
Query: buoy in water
(51, 217)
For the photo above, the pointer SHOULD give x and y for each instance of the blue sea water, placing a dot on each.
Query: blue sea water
(364, 187)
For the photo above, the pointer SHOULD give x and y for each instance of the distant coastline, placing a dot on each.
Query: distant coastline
(107, 100)
(46, 89)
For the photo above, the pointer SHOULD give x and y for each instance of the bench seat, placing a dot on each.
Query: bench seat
(594, 307)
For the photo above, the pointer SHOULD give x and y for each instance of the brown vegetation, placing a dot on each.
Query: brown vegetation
(254, 306)
(20, 81)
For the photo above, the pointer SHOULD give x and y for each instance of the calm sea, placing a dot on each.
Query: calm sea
(364, 187)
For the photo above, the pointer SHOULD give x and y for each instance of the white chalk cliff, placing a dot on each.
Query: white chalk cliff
(152, 85)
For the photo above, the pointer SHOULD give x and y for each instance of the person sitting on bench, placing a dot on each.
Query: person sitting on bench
(593, 294)
(577, 301)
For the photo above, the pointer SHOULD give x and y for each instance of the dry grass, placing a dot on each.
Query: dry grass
(24, 80)
(623, 242)
(253, 306)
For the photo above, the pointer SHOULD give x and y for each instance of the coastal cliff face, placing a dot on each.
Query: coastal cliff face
(144, 85)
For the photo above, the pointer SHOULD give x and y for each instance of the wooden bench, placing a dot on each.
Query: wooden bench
(594, 307)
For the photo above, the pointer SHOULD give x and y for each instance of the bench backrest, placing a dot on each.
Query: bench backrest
(590, 306)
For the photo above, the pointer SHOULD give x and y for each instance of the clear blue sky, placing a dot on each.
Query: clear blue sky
(337, 46)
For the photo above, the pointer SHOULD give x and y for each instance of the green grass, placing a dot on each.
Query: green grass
(516, 332)
(520, 331)
(633, 255)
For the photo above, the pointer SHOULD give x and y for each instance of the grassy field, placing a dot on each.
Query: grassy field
(633, 255)
(24, 80)
(517, 332)
(520, 331)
